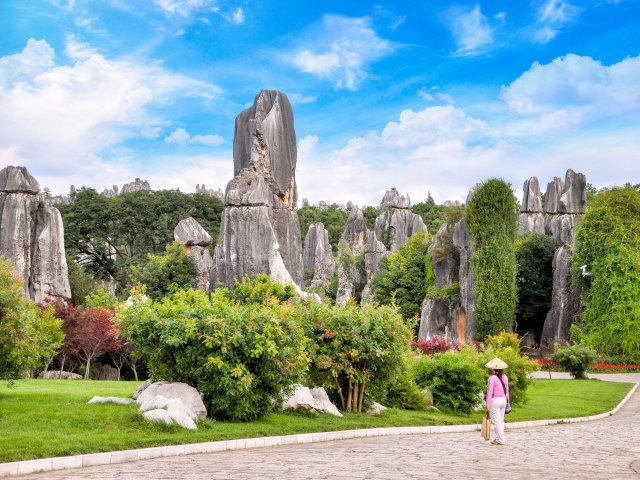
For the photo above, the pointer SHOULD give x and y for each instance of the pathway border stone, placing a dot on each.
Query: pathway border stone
(107, 458)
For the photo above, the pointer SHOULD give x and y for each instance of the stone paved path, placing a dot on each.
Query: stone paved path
(603, 449)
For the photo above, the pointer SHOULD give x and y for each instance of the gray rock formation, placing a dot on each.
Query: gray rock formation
(219, 194)
(49, 273)
(565, 303)
(374, 251)
(136, 186)
(531, 216)
(189, 232)
(317, 256)
(111, 192)
(32, 236)
(396, 222)
(355, 231)
(260, 230)
(573, 197)
(348, 274)
(450, 318)
(189, 396)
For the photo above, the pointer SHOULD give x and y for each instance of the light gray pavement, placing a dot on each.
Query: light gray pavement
(602, 449)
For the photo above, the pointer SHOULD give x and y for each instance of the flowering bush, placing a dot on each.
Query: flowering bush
(434, 345)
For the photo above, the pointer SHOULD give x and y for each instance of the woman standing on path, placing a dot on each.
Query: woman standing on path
(497, 394)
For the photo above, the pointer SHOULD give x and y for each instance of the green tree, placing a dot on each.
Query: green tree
(370, 214)
(29, 336)
(240, 356)
(109, 234)
(432, 214)
(534, 254)
(164, 274)
(492, 219)
(403, 276)
(608, 247)
(354, 348)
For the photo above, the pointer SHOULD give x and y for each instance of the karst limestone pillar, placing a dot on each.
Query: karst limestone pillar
(32, 236)
(260, 230)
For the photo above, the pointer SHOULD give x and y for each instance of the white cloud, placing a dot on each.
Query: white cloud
(552, 16)
(300, 99)
(470, 29)
(440, 149)
(577, 88)
(182, 138)
(432, 95)
(237, 17)
(339, 50)
(182, 8)
(57, 118)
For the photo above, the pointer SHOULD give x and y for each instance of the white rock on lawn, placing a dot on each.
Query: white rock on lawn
(189, 395)
(116, 400)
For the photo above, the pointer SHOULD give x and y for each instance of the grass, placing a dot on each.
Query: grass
(47, 418)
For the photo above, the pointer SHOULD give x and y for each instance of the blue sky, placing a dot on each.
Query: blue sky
(422, 96)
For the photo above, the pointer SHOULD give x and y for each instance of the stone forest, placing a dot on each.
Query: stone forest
(459, 274)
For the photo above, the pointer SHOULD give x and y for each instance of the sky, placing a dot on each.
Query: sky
(428, 97)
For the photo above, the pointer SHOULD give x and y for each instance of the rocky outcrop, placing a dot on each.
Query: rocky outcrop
(317, 257)
(111, 192)
(355, 231)
(189, 232)
(396, 222)
(374, 251)
(311, 399)
(136, 186)
(49, 273)
(565, 302)
(531, 216)
(32, 236)
(351, 246)
(219, 194)
(196, 241)
(171, 403)
(260, 230)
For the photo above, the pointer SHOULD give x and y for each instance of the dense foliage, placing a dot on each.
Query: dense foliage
(574, 359)
(534, 254)
(354, 348)
(29, 336)
(432, 214)
(492, 219)
(109, 233)
(260, 289)
(608, 246)
(333, 217)
(240, 356)
(455, 382)
(403, 276)
(164, 274)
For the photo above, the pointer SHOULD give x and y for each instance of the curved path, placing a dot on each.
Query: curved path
(602, 449)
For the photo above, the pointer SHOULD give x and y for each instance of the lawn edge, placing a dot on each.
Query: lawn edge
(122, 456)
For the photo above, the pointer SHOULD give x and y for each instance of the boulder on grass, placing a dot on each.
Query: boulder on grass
(57, 374)
(376, 409)
(315, 399)
(116, 400)
(187, 394)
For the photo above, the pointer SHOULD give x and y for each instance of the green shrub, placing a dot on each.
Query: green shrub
(259, 289)
(575, 359)
(354, 349)
(456, 382)
(403, 392)
(503, 340)
(29, 336)
(241, 357)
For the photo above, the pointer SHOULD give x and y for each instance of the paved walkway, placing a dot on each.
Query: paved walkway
(602, 449)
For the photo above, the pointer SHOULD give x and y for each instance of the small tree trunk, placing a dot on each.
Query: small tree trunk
(135, 372)
(339, 393)
(355, 398)
(64, 358)
(349, 396)
(86, 371)
(119, 368)
(361, 399)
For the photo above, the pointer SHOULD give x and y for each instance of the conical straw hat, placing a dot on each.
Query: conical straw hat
(496, 364)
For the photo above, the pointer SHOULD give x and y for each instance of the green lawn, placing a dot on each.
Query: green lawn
(46, 418)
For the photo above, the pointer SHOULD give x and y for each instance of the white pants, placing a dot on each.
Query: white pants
(496, 412)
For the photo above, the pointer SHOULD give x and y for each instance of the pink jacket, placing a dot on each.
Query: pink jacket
(495, 389)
